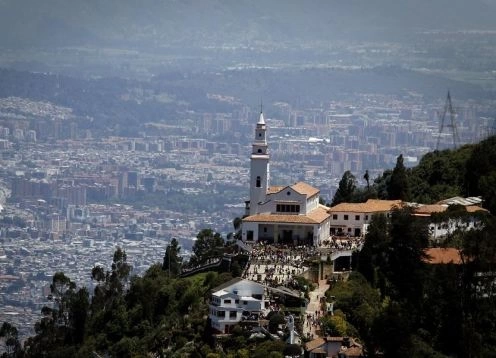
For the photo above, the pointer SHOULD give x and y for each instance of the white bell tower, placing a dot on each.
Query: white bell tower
(259, 167)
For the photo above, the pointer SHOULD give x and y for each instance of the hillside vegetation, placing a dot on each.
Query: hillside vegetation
(467, 171)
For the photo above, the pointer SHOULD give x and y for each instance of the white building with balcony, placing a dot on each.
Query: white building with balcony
(235, 301)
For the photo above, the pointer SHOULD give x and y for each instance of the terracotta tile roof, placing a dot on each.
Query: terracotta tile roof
(305, 189)
(371, 206)
(274, 189)
(301, 219)
(316, 216)
(430, 209)
(439, 208)
(319, 214)
(474, 208)
(300, 187)
(316, 343)
(353, 352)
(439, 255)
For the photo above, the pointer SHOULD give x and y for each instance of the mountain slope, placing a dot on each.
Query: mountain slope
(216, 22)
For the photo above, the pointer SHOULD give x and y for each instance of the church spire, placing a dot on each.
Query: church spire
(261, 120)
(259, 166)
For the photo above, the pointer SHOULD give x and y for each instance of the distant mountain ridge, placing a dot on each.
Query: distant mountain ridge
(227, 22)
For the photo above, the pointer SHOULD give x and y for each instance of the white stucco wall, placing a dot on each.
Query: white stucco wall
(282, 197)
(352, 223)
(249, 226)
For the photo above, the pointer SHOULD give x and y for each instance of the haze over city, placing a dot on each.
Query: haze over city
(125, 124)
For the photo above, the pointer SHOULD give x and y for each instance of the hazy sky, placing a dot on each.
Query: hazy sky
(190, 22)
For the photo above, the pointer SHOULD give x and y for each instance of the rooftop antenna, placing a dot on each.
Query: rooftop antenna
(448, 107)
(261, 105)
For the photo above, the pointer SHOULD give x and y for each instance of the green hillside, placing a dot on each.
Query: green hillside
(467, 171)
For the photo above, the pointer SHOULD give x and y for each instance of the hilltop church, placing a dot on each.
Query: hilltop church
(281, 214)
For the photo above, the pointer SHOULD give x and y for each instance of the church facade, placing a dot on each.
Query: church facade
(288, 214)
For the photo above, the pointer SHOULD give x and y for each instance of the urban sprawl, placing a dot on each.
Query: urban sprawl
(69, 196)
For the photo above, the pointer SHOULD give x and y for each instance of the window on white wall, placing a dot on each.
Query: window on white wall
(288, 208)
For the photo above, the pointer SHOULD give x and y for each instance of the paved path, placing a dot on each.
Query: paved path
(313, 312)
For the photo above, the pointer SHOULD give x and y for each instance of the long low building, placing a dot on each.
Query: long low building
(353, 218)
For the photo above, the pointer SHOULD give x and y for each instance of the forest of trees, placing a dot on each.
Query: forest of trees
(397, 303)
(161, 313)
(401, 306)
(467, 171)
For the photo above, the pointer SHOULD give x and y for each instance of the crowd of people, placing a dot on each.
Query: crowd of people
(340, 243)
(313, 322)
(277, 265)
(281, 254)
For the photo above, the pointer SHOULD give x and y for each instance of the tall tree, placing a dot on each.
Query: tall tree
(208, 244)
(487, 186)
(367, 178)
(346, 188)
(111, 284)
(371, 259)
(172, 260)
(398, 186)
(61, 288)
(10, 337)
(78, 306)
(481, 163)
(381, 184)
(237, 222)
(64, 323)
(405, 255)
(479, 293)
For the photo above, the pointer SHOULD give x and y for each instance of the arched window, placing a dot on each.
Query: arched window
(258, 182)
(259, 151)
